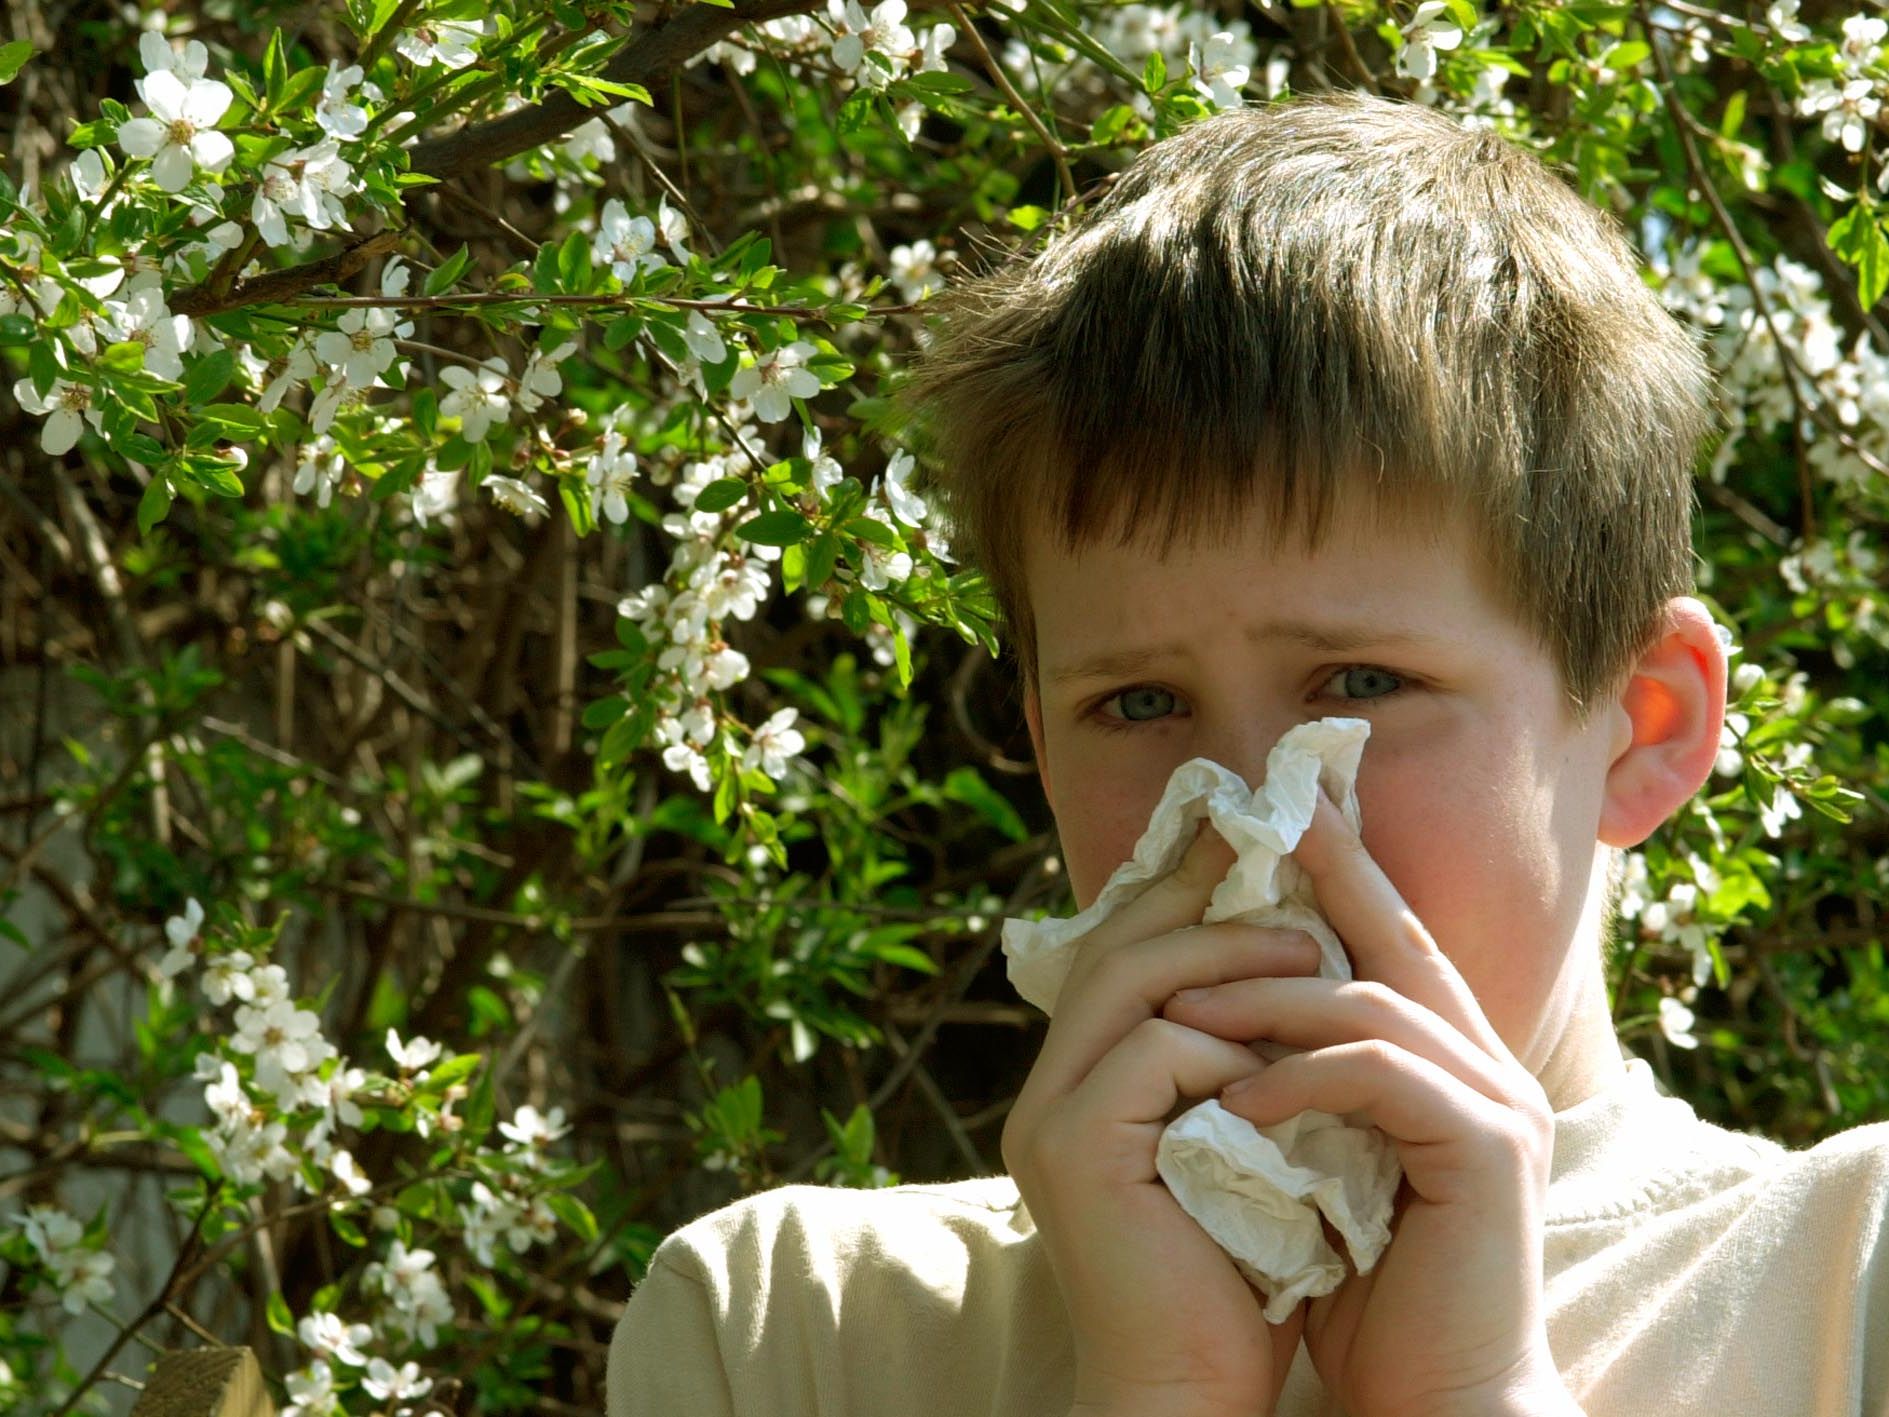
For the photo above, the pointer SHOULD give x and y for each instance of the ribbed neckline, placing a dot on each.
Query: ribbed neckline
(1623, 1148)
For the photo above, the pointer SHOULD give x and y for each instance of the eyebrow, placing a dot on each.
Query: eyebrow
(1327, 639)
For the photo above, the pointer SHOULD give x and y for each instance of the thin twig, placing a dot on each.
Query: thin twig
(1024, 111)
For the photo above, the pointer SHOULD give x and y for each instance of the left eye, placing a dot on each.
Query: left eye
(1364, 682)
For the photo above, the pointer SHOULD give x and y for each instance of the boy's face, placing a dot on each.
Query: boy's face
(1480, 797)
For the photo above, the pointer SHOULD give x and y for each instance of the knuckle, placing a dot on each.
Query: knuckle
(1156, 1034)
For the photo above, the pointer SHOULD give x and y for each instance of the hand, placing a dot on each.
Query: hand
(1162, 1320)
(1451, 1318)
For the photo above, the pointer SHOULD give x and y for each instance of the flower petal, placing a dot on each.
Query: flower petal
(141, 137)
(212, 151)
(173, 168)
(206, 101)
(61, 432)
(166, 95)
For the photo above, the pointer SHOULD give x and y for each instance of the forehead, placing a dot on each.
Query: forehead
(1367, 579)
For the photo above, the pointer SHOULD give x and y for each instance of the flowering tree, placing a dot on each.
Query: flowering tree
(528, 766)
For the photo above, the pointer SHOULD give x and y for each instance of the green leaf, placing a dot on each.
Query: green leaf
(12, 57)
(280, 1319)
(782, 528)
(154, 505)
(126, 357)
(16, 329)
(239, 418)
(574, 262)
(1857, 237)
(719, 496)
(1154, 76)
(967, 785)
(575, 1215)
(42, 367)
(448, 271)
(873, 530)
(209, 376)
(603, 712)
(275, 69)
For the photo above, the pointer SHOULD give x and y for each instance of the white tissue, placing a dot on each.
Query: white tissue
(1258, 1191)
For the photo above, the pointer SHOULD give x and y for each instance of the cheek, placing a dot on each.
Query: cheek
(1102, 807)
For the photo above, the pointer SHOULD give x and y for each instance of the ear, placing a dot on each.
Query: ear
(1674, 708)
(1033, 715)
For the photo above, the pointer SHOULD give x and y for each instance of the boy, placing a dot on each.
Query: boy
(1330, 408)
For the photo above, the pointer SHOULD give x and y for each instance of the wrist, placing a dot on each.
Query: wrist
(1540, 1393)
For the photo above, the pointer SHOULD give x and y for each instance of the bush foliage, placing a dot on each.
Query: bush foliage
(500, 756)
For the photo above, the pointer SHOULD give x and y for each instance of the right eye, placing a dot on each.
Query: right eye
(1141, 704)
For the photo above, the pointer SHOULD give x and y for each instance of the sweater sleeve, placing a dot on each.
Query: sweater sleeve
(665, 1356)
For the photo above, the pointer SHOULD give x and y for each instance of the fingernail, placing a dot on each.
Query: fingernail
(1189, 996)
(1233, 1091)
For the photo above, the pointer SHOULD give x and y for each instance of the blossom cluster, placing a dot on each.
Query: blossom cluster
(78, 1268)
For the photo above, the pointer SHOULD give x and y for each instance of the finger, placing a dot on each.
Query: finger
(1133, 982)
(1131, 1092)
(1311, 1013)
(1168, 903)
(1455, 1144)
(1383, 936)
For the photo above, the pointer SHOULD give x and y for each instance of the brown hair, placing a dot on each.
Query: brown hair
(1326, 292)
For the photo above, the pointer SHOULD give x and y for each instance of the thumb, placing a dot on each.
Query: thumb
(1176, 900)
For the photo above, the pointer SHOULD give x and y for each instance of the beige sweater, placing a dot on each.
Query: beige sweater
(1689, 1269)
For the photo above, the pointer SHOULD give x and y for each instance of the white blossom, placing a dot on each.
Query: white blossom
(703, 339)
(436, 496)
(226, 1098)
(516, 497)
(1849, 110)
(180, 135)
(454, 43)
(1222, 67)
(187, 64)
(906, 505)
(305, 183)
(319, 468)
(1782, 17)
(681, 757)
(541, 380)
(412, 1056)
(349, 1173)
(312, 1393)
(612, 473)
(773, 744)
(334, 112)
(532, 1131)
(226, 977)
(362, 345)
(383, 1380)
(181, 931)
(673, 227)
(1429, 30)
(628, 243)
(1675, 1021)
(776, 378)
(66, 406)
(327, 1337)
(883, 34)
(478, 397)
(417, 1300)
(824, 468)
(1783, 809)
(915, 270)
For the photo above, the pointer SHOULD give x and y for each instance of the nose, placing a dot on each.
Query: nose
(1242, 743)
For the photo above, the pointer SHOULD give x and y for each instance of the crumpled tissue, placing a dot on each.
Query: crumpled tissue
(1258, 1191)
